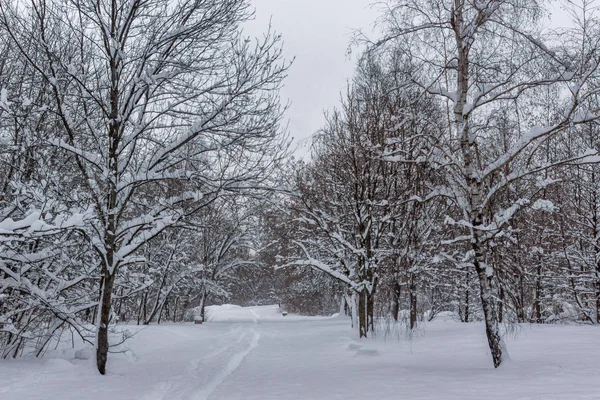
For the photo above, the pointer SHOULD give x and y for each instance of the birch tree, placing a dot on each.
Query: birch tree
(484, 58)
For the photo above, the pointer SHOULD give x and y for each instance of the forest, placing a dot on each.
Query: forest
(146, 171)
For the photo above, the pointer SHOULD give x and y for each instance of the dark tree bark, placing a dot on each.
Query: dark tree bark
(396, 299)
(500, 304)
(413, 302)
(467, 299)
(202, 305)
(521, 305)
(363, 326)
(105, 306)
(537, 308)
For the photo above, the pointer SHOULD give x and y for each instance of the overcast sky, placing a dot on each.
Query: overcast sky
(317, 33)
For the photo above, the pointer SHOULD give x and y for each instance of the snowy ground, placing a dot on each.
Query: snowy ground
(255, 353)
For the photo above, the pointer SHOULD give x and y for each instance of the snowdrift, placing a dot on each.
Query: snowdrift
(255, 314)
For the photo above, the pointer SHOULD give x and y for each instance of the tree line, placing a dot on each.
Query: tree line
(146, 171)
(459, 172)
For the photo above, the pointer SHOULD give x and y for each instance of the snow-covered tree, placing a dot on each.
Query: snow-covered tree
(360, 218)
(155, 107)
(491, 61)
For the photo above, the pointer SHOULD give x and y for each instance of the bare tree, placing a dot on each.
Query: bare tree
(356, 201)
(482, 58)
(146, 93)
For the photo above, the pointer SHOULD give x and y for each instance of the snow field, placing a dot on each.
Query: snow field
(255, 353)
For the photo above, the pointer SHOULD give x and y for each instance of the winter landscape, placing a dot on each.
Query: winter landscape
(255, 353)
(404, 202)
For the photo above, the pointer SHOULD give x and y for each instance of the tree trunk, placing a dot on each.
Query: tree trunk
(175, 309)
(139, 313)
(202, 305)
(467, 298)
(521, 305)
(413, 302)
(167, 311)
(396, 300)
(351, 301)
(95, 314)
(160, 313)
(162, 306)
(469, 150)
(104, 320)
(501, 305)
(371, 306)
(492, 327)
(363, 326)
(120, 306)
(145, 308)
(371, 311)
(157, 308)
(537, 311)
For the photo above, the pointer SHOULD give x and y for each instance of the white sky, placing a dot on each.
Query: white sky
(317, 33)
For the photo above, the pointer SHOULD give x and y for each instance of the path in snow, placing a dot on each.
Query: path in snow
(256, 354)
(232, 364)
(203, 375)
